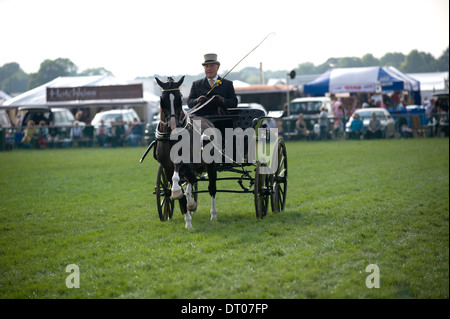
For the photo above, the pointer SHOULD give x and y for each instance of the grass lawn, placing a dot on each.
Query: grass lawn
(350, 204)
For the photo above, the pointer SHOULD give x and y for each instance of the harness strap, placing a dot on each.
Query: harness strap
(170, 90)
(165, 136)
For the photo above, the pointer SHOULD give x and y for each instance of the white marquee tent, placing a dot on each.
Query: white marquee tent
(144, 103)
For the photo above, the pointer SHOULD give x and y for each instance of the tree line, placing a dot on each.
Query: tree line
(414, 62)
(14, 80)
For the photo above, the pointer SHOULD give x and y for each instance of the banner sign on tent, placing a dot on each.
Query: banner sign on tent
(107, 92)
(339, 88)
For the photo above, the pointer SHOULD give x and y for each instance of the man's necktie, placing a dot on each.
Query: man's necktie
(211, 82)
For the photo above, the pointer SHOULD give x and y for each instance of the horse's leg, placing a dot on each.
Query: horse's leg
(212, 175)
(191, 204)
(187, 219)
(185, 212)
(177, 192)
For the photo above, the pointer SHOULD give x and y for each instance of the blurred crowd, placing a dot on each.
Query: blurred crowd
(41, 136)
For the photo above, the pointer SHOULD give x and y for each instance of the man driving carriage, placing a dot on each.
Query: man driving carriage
(222, 94)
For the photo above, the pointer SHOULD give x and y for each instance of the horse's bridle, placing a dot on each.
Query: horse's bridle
(165, 136)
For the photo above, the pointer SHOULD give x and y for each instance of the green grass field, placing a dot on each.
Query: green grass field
(350, 204)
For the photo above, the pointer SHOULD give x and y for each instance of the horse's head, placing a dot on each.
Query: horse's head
(171, 103)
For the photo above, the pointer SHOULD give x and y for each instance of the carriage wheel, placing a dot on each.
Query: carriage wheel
(261, 191)
(279, 179)
(163, 192)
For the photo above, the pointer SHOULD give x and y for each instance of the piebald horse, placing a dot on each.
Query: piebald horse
(173, 120)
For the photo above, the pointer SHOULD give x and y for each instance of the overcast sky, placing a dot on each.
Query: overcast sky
(134, 38)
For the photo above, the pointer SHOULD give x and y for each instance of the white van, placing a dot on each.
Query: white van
(311, 105)
(310, 108)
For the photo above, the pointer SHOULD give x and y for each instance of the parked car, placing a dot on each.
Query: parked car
(149, 132)
(126, 115)
(442, 101)
(310, 108)
(60, 116)
(387, 122)
(310, 105)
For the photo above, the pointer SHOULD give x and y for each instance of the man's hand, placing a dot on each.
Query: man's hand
(201, 99)
(219, 99)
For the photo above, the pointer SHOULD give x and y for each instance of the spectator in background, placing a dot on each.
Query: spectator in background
(30, 136)
(336, 106)
(118, 133)
(401, 105)
(338, 126)
(19, 120)
(42, 134)
(102, 133)
(429, 106)
(396, 98)
(356, 128)
(76, 133)
(136, 133)
(88, 135)
(323, 122)
(435, 117)
(300, 127)
(79, 116)
(374, 129)
(53, 134)
(406, 131)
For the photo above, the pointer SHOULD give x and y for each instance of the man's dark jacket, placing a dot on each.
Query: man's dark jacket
(225, 90)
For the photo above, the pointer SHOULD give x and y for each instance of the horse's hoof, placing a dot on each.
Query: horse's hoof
(214, 216)
(188, 226)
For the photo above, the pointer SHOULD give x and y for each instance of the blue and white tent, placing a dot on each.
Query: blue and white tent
(365, 79)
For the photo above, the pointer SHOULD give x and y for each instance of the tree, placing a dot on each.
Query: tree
(50, 70)
(394, 59)
(416, 62)
(306, 68)
(8, 70)
(349, 62)
(12, 78)
(16, 83)
(328, 64)
(442, 62)
(95, 71)
(370, 60)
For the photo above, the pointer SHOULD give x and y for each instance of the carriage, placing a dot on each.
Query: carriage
(259, 167)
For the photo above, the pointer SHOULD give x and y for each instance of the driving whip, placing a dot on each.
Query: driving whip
(218, 81)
